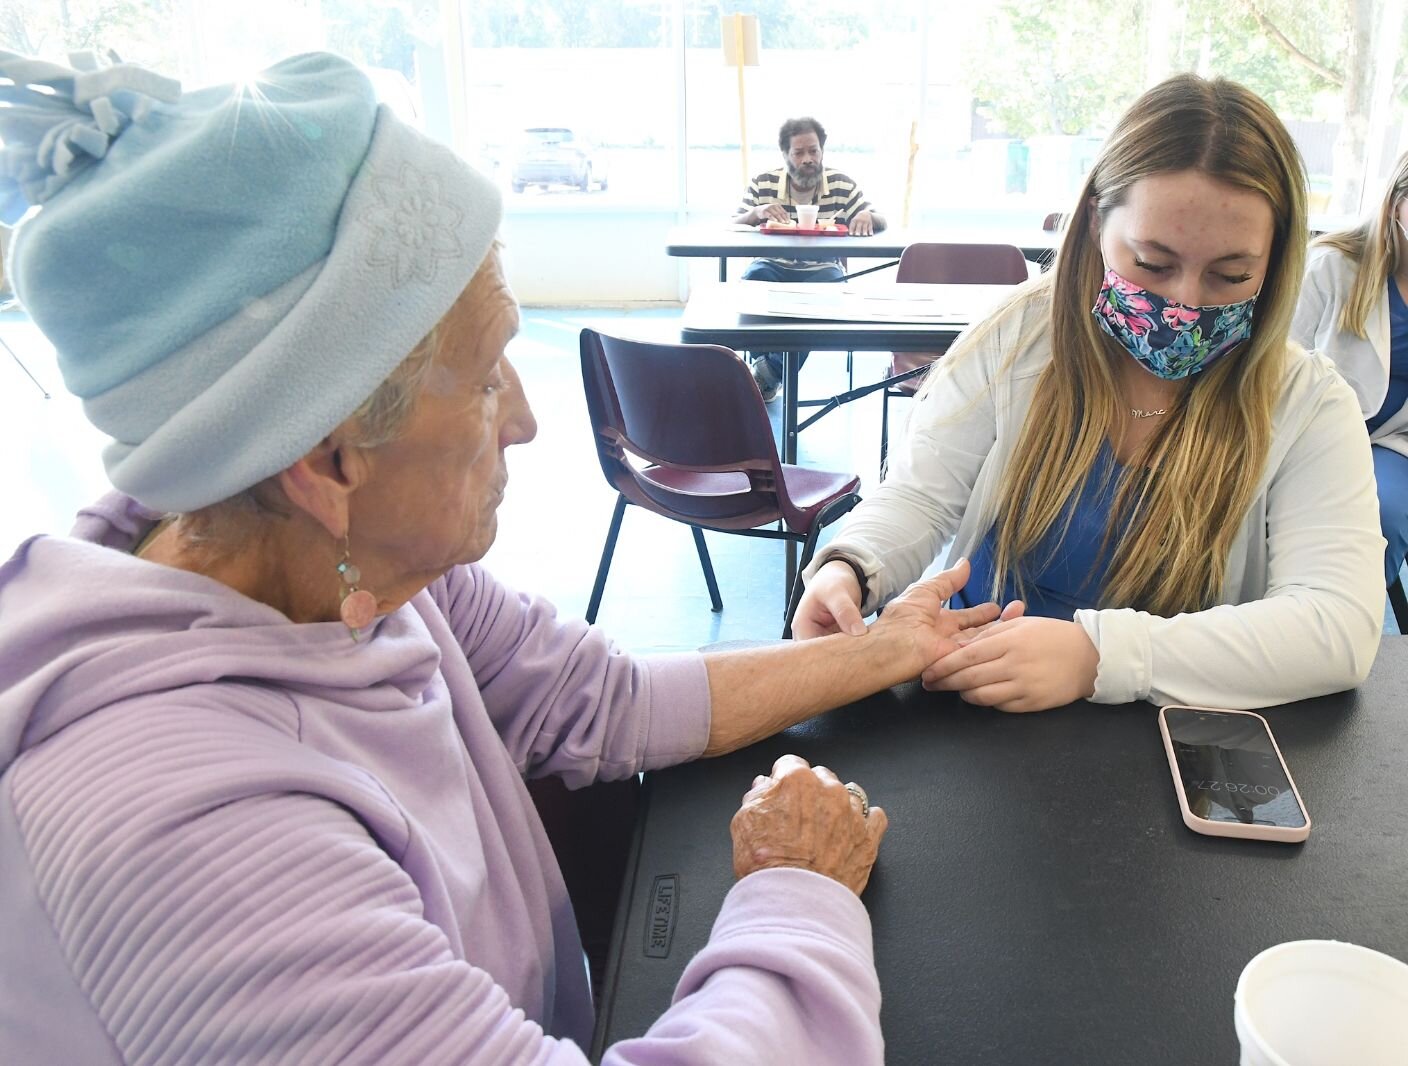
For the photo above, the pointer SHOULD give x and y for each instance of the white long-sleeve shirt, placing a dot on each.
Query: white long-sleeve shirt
(1301, 607)
(1362, 361)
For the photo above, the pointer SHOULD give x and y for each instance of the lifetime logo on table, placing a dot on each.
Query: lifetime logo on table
(660, 916)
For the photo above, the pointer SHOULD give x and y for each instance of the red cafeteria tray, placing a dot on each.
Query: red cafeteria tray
(796, 231)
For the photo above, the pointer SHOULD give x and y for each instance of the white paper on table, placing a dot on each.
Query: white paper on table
(842, 303)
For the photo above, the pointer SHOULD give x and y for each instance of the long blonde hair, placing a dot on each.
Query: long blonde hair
(1179, 503)
(1374, 245)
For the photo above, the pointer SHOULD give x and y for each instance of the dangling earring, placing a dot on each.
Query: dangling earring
(358, 605)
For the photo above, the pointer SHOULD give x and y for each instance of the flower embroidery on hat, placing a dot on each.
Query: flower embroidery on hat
(413, 228)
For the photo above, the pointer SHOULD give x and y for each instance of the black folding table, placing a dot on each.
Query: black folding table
(1038, 898)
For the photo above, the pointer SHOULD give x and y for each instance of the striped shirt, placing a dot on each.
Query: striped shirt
(838, 199)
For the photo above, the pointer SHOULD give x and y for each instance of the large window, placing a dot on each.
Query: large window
(570, 103)
(853, 74)
(210, 41)
(1009, 101)
(968, 113)
(1333, 69)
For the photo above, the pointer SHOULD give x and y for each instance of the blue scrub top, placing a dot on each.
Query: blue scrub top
(1063, 574)
(1398, 358)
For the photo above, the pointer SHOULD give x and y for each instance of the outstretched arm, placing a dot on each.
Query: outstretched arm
(761, 691)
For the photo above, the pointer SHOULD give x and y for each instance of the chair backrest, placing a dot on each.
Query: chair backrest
(690, 409)
(1053, 222)
(952, 264)
(963, 264)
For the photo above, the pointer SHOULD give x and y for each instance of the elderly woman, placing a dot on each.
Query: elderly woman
(264, 733)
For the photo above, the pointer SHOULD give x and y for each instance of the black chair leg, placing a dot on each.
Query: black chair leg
(832, 511)
(790, 569)
(1399, 600)
(884, 427)
(795, 586)
(606, 552)
(715, 604)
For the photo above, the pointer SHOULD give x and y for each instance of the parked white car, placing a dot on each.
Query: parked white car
(555, 155)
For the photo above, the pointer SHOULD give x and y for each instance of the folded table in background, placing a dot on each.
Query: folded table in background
(1037, 897)
(726, 242)
(769, 317)
(901, 303)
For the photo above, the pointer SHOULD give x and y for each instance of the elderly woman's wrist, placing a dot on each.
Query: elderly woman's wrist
(900, 648)
(884, 655)
(903, 640)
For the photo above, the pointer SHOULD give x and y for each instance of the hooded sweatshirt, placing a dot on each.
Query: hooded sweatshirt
(228, 838)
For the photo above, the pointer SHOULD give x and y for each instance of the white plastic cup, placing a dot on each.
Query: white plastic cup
(1322, 1003)
(806, 216)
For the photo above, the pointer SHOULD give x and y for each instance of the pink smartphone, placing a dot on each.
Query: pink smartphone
(1230, 777)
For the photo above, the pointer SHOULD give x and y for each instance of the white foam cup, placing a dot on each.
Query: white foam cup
(806, 216)
(1322, 1003)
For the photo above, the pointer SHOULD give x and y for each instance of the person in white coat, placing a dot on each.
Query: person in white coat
(1176, 502)
(1354, 308)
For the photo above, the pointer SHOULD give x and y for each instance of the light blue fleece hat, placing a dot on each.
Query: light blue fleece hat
(227, 274)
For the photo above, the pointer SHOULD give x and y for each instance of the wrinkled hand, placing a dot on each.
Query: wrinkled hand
(771, 212)
(803, 816)
(1019, 664)
(862, 225)
(919, 613)
(831, 604)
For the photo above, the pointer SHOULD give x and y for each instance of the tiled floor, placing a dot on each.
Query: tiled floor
(554, 519)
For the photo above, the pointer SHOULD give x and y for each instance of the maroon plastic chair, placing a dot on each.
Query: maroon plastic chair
(681, 430)
(944, 264)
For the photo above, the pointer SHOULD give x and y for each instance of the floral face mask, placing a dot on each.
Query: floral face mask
(1168, 339)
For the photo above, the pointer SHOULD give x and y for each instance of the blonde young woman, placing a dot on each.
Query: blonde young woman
(1354, 308)
(1177, 504)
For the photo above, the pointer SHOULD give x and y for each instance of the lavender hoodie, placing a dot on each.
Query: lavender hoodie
(226, 838)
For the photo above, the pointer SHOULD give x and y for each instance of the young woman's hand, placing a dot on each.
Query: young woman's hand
(1019, 664)
(831, 604)
(1015, 609)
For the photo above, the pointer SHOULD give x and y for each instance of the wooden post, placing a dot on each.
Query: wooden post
(738, 55)
(909, 172)
(740, 40)
(920, 114)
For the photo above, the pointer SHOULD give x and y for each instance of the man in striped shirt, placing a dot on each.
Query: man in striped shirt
(775, 194)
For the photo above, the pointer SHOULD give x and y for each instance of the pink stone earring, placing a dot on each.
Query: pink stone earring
(358, 605)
